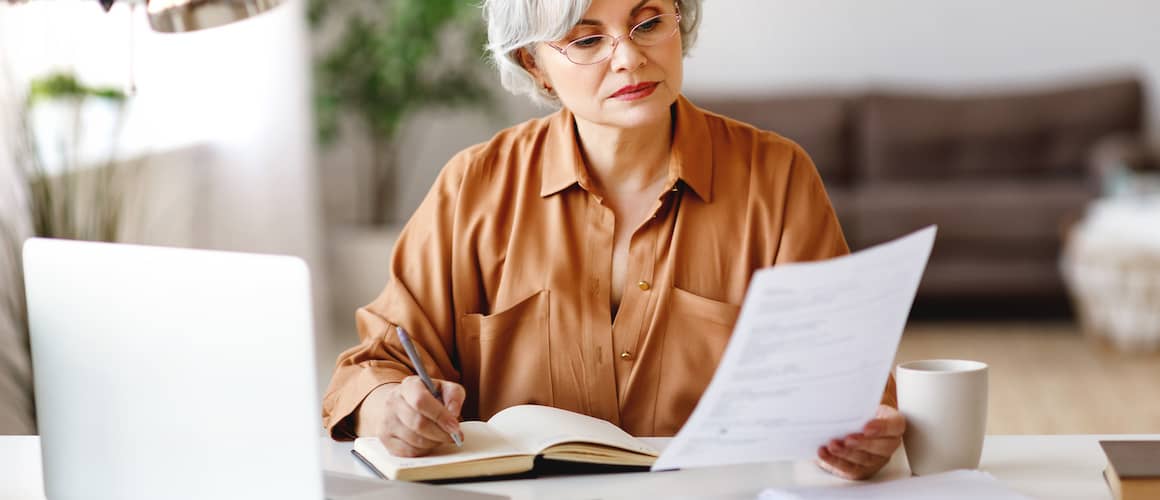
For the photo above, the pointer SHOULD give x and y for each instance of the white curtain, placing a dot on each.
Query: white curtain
(15, 368)
(222, 118)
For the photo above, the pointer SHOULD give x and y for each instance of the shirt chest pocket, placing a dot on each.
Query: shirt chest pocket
(696, 334)
(506, 356)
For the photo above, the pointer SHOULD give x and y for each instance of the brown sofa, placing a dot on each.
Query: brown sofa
(1000, 173)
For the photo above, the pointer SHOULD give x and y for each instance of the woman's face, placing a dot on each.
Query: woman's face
(635, 86)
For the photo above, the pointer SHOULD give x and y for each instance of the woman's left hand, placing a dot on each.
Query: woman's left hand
(860, 455)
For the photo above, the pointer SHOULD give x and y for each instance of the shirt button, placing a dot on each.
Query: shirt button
(643, 285)
(626, 355)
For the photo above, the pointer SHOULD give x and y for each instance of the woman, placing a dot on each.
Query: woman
(594, 259)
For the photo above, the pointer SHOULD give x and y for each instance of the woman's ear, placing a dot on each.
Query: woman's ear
(528, 61)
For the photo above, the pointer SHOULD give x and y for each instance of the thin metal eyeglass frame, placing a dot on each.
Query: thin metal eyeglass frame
(616, 39)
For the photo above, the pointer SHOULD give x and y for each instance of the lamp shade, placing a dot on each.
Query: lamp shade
(177, 16)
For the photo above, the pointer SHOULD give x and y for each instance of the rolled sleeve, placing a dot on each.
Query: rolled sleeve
(360, 370)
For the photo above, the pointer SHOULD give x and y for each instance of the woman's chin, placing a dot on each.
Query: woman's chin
(637, 114)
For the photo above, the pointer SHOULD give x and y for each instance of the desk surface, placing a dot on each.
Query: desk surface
(1054, 466)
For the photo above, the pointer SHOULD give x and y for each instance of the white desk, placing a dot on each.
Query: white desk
(1049, 467)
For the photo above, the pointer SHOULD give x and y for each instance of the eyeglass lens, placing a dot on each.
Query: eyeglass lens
(596, 48)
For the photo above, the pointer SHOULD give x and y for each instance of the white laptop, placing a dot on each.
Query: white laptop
(173, 373)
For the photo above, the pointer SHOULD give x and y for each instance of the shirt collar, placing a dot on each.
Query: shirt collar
(691, 161)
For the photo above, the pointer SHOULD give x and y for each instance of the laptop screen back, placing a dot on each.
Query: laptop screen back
(172, 373)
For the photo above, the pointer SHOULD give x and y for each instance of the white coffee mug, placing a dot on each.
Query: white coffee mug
(945, 405)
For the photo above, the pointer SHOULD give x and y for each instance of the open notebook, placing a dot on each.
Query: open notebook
(509, 443)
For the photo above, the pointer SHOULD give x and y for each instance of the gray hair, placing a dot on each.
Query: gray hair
(517, 24)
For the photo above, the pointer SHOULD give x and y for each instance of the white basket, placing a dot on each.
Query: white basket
(1115, 286)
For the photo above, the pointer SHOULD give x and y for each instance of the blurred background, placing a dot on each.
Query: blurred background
(1028, 131)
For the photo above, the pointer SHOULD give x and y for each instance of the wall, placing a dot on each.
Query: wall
(757, 45)
(429, 138)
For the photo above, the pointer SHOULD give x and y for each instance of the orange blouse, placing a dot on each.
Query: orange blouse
(502, 275)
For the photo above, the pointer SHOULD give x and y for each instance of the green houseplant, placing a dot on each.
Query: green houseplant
(64, 199)
(391, 59)
(83, 202)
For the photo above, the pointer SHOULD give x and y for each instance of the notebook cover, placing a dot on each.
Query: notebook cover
(1133, 459)
(543, 468)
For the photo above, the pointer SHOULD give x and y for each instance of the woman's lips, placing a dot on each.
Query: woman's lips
(638, 91)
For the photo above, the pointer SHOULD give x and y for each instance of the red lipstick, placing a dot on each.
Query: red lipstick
(637, 91)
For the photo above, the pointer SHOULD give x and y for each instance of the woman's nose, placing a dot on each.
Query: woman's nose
(626, 55)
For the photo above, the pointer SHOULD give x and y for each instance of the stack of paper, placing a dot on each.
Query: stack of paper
(954, 485)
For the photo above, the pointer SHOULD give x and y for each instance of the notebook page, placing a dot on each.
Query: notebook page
(480, 442)
(535, 428)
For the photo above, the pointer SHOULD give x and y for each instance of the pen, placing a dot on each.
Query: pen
(418, 364)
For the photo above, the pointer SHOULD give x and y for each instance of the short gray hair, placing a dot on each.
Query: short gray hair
(517, 24)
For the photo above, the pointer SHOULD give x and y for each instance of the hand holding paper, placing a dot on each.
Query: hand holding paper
(861, 455)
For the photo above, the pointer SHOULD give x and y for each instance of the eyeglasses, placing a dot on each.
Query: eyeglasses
(598, 48)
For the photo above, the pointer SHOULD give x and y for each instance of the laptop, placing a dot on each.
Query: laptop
(175, 373)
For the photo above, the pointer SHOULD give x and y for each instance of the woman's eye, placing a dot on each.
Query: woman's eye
(649, 25)
(587, 42)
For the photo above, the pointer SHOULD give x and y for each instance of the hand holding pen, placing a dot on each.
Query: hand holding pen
(416, 416)
(436, 393)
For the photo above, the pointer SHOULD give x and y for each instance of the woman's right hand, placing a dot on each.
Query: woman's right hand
(408, 419)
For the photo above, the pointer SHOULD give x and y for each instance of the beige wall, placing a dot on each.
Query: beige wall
(430, 138)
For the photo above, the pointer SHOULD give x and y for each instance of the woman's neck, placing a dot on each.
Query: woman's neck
(621, 160)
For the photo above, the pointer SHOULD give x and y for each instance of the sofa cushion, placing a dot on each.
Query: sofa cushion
(1014, 278)
(820, 124)
(995, 238)
(984, 221)
(1007, 136)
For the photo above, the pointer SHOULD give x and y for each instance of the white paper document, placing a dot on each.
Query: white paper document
(953, 485)
(808, 359)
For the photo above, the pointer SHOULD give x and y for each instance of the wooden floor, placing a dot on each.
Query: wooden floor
(1047, 378)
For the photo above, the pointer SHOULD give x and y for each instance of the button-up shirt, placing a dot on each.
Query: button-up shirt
(502, 276)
